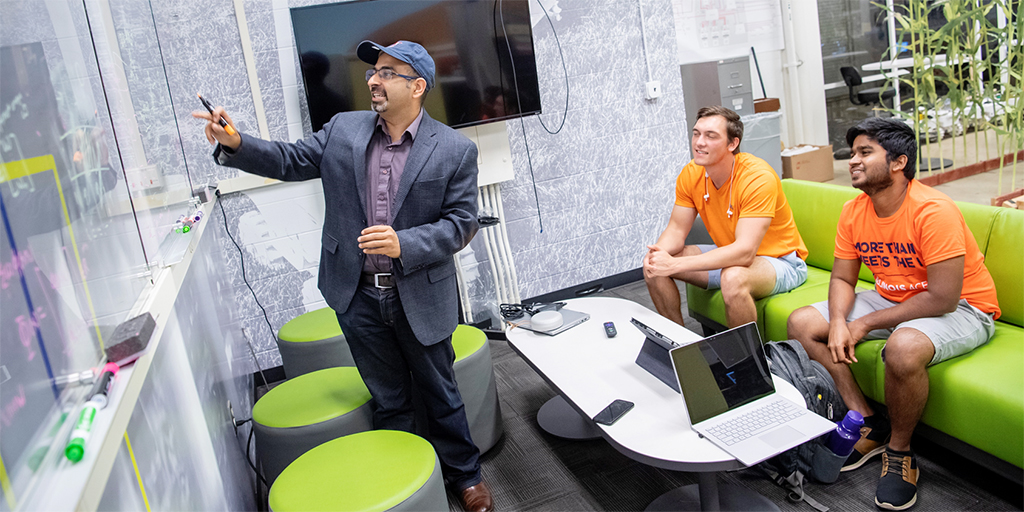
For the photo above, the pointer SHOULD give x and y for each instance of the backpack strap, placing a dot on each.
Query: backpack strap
(794, 483)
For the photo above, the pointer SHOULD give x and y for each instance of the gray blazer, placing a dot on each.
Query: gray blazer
(435, 211)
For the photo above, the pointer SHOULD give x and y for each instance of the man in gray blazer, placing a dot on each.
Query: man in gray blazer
(400, 195)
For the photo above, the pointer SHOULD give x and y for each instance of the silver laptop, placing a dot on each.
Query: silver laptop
(570, 319)
(731, 400)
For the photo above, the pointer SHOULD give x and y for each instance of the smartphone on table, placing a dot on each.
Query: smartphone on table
(613, 412)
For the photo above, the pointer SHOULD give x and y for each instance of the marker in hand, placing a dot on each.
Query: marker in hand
(209, 107)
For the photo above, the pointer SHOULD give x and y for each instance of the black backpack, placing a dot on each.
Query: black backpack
(813, 459)
(789, 360)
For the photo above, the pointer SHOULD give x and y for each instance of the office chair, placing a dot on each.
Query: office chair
(872, 96)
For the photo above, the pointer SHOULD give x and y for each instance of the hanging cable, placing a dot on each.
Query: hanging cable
(519, 107)
(515, 81)
(241, 259)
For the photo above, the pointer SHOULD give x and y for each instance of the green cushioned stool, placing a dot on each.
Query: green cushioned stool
(308, 411)
(312, 341)
(474, 375)
(369, 471)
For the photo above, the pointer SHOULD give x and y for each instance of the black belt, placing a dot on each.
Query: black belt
(382, 280)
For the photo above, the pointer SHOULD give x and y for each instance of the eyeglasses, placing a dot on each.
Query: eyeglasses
(386, 74)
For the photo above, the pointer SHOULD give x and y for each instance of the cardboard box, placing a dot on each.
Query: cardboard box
(812, 166)
(766, 105)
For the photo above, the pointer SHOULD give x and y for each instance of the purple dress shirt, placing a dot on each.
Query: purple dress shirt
(385, 162)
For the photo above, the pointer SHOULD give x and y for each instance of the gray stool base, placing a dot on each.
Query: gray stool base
(474, 375)
(430, 497)
(279, 447)
(302, 357)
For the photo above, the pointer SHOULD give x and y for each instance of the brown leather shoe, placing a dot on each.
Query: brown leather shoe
(477, 498)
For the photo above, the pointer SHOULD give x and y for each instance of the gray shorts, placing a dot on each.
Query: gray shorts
(790, 271)
(953, 334)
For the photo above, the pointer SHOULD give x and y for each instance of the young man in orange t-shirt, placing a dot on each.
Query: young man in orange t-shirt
(933, 298)
(757, 251)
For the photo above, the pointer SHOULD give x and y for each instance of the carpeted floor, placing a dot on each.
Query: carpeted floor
(532, 470)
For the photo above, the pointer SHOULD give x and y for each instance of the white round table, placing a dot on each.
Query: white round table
(590, 370)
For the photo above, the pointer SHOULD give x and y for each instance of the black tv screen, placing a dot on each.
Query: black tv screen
(485, 71)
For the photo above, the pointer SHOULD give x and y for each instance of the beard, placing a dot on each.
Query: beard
(874, 183)
(381, 106)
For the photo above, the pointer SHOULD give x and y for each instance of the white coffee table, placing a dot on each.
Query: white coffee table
(590, 370)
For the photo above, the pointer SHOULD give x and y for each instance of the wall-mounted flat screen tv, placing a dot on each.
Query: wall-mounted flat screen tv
(482, 50)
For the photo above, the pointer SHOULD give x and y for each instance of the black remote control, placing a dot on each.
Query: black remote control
(609, 329)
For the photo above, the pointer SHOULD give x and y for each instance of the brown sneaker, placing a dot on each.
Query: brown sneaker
(477, 498)
(897, 488)
(873, 440)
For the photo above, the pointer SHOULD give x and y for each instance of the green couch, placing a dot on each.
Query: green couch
(977, 398)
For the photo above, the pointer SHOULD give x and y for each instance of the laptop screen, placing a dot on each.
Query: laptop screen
(722, 372)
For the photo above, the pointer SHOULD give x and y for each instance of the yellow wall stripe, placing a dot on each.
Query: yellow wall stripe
(138, 476)
(5, 483)
(27, 167)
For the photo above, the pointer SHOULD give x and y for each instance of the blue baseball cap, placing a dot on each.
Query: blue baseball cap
(406, 51)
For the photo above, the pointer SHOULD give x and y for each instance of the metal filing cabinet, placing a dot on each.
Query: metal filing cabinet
(723, 82)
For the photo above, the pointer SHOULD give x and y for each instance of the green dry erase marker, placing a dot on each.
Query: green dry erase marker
(80, 435)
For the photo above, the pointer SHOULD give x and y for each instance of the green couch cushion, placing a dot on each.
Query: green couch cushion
(978, 397)
(816, 208)
(466, 340)
(368, 471)
(317, 325)
(816, 212)
(980, 220)
(778, 307)
(1005, 261)
(312, 398)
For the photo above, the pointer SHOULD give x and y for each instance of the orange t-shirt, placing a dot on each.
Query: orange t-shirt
(928, 228)
(754, 190)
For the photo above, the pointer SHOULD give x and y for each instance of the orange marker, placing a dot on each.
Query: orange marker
(227, 127)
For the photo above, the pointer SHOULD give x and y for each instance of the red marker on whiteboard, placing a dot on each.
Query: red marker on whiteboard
(103, 384)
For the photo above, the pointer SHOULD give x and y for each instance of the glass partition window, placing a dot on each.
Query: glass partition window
(92, 180)
(853, 33)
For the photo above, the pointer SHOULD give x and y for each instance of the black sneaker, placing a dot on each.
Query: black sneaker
(874, 437)
(897, 488)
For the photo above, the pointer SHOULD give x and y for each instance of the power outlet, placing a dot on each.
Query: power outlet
(653, 89)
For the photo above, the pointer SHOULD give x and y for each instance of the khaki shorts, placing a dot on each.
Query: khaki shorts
(952, 334)
(790, 271)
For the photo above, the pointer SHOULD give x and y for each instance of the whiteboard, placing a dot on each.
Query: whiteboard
(708, 30)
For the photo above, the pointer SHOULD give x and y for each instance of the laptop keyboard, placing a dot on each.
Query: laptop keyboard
(756, 421)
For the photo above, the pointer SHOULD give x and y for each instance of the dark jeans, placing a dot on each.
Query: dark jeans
(390, 359)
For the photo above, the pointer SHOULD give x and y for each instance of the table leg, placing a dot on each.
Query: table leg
(708, 495)
(558, 418)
